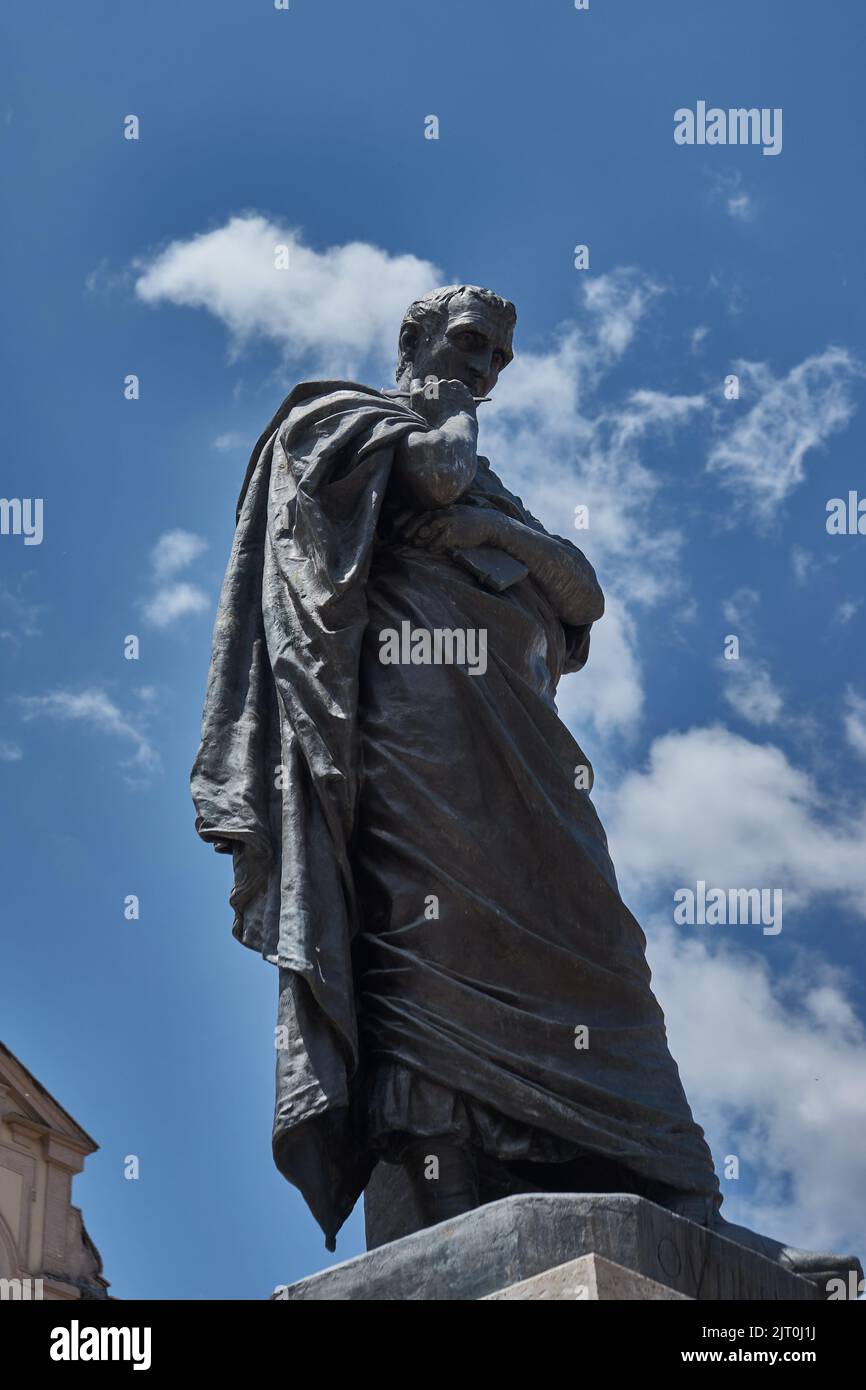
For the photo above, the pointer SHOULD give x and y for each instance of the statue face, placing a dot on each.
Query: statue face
(473, 346)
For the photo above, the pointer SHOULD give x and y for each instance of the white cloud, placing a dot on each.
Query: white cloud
(230, 443)
(803, 563)
(715, 806)
(732, 292)
(848, 610)
(94, 708)
(741, 607)
(18, 617)
(697, 336)
(608, 693)
(556, 446)
(10, 752)
(174, 551)
(740, 207)
(775, 1071)
(749, 688)
(173, 601)
(762, 456)
(727, 188)
(619, 302)
(773, 1065)
(750, 691)
(855, 721)
(338, 305)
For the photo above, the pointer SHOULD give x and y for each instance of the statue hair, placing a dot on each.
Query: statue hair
(430, 313)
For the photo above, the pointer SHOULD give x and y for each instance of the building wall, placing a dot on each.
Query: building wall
(42, 1235)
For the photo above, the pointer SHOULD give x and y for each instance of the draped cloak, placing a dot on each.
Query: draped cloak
(353, 794)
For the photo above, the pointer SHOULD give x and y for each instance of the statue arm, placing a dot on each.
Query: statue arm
(437, 465)
(562, 571)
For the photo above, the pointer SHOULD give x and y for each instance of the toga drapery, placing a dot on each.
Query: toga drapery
(410, 848)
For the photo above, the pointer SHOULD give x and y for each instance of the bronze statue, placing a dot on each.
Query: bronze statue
(459, 978)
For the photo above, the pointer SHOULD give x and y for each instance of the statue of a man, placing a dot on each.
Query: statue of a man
(381, 754)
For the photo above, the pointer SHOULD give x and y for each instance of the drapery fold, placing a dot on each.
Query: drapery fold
(275, 781)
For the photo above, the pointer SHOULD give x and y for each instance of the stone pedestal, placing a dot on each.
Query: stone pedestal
(615, 1246)
(589, 1279)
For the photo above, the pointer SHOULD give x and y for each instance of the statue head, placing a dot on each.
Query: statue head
(459, 333)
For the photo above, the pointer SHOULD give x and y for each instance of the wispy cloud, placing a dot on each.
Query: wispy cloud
(19, 618)
(10, 752)
(803, 563)
(761, 458)
(105, 282)
(727, 189)
(847, 610)
(731, 290)
(740, 207)
(855, 721)
(618, 303)
(751, 693)
(748, 688)
(740, 608)
(95, 709)
(230, 443)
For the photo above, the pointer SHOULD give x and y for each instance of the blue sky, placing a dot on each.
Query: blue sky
(707, 518)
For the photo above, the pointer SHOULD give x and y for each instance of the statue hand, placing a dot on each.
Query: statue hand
(455, 528)
(452, 398)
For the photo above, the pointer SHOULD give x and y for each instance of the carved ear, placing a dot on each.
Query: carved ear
(409, 335)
